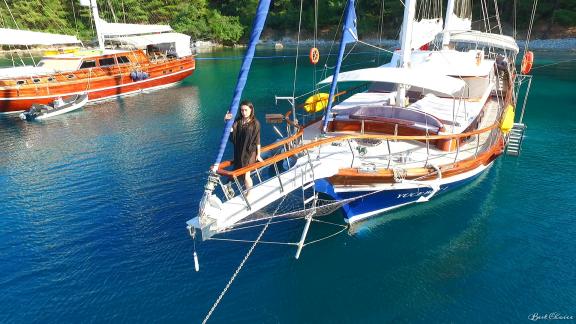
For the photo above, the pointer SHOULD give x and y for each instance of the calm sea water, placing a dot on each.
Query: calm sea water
(93, 207)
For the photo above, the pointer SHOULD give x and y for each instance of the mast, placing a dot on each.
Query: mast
(405, 45)
(349, 34)
(97, 24)
(258, 25)
(446, 34)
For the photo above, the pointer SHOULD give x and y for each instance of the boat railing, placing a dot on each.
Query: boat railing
(291, 148)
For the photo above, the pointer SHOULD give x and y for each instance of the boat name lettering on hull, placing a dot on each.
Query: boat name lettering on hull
(418, 194)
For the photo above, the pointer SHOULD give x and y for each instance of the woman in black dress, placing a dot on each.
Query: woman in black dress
(245, 135)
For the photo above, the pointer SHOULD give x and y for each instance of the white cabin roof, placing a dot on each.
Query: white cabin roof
(453, 63)
(448, 62)
(26, 37)
(23, 71)
(485, 39)
(435, 82)
(110, 30)
(181, 41)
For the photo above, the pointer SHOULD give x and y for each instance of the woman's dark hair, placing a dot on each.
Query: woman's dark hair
(252, 112)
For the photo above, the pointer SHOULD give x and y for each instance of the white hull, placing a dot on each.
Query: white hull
(76, 106)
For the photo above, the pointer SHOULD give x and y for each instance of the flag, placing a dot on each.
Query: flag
(350, 34)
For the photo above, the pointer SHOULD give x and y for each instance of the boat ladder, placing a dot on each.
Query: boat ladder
(309, 200)
(515, 138)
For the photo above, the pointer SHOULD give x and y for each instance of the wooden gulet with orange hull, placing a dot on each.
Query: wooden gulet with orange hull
(138, 58)
(429, 121)
(102, 76)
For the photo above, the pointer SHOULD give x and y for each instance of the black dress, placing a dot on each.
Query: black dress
(246, 138)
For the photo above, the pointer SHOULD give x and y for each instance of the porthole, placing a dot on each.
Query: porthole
(70, 76)
(20, 82)
(36, 80)
(51, 79)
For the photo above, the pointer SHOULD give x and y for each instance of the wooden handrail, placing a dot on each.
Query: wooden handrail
(299, 149)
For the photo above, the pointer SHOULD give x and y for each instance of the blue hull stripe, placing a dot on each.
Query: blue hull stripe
(386, 199)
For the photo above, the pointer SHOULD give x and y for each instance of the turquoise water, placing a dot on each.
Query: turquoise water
(93, 208)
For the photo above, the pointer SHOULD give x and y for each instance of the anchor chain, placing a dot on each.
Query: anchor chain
(240, 266)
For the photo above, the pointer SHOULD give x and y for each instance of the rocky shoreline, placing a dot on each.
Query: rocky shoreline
(200, 46)
(559, 43)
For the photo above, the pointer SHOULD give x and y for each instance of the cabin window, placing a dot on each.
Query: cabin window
(36, 80)
(88, 64)
(51, 79)
(20, 82)
(70, 76)
(122, 59)
(106, 61)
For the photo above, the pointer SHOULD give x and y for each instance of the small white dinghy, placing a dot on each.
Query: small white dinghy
(58, 107)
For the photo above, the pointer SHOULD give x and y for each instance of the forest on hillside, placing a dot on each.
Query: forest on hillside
(229, 21)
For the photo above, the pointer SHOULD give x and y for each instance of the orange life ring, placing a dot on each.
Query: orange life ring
(527, 62)
(314, 55)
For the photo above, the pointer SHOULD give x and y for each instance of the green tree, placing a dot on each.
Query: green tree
(224, 29)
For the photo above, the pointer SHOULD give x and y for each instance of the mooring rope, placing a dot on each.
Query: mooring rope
(231, 58)
(556, 63)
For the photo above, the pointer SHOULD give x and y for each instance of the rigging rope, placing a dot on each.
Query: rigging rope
(17, 27)
(297, 52)
(315, 68)
(334, 39)
(380, 30)
(556, 63)
(279, 56)
(74, 14)
(534, 5)
(112, 11)
(485, 15)
(123, 12)
(62, 27)
(10, 46)
(497, 16)
(376, 47)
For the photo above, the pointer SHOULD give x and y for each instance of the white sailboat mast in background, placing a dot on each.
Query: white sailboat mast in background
(458, 18)
(447, 20)
(405, 46)
(97, 23)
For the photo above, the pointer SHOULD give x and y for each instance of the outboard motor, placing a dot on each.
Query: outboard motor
(32, 113)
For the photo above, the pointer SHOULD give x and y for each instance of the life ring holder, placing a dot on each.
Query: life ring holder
(527, 62)
(314, 55)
